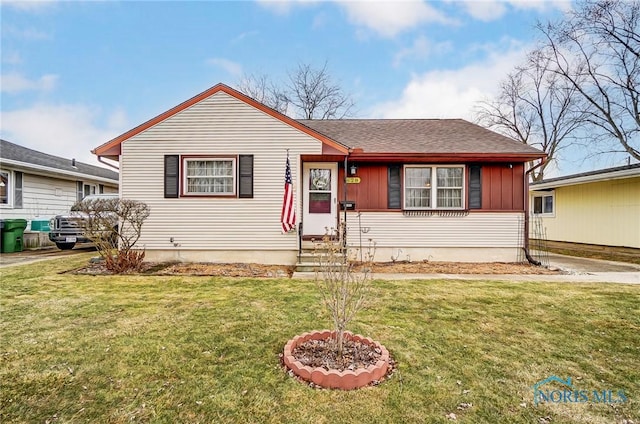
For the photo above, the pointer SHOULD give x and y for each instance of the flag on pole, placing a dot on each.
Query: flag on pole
(288, 217)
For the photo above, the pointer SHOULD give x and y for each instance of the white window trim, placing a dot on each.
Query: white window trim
(542, 195)
(9, 187)
(234, 172)
(434, 187)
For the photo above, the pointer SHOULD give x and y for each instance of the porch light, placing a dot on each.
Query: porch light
(353, 169)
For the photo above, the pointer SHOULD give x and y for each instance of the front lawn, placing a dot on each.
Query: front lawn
(77, 348)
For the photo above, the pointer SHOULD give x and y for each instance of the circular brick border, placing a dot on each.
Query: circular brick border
(334, 379)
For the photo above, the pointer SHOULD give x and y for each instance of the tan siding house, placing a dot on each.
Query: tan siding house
(212, 170)
(597, 208)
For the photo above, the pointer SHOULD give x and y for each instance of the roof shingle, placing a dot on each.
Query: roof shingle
(18, 153)
(418, 136)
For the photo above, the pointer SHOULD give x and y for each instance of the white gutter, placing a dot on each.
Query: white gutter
(56, 171)
(605, 176)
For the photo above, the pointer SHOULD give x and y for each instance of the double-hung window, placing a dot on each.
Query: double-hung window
(543, 204)
(433, 187)
(4, 188)
(209, 176)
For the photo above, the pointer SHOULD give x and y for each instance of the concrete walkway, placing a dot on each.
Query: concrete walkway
(575, 270)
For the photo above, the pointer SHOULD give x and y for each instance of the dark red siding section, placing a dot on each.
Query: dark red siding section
(371, 192)
(503, 187)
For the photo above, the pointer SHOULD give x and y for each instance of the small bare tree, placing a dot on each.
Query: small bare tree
(115, 226)
(343, 283)
(309, 93)
(262, 89)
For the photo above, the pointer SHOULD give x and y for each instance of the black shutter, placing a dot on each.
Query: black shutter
(17, 190)
(245, 176)
(394, 187)
(475, 187)
(171, 176)
(79, 191)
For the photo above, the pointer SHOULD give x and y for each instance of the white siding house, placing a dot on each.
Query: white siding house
(38, 186)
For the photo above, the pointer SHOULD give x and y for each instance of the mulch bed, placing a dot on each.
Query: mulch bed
(284, 271)
(322, 354)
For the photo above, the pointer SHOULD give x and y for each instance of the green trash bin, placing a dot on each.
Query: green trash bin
(12, 235)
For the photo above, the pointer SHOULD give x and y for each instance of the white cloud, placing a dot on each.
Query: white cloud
(231, 67)
(487, 10)
(283, 7)
(29, 5)
(69, 131)
(389, 18)
(31, 34)
(421, 48)
(453, 93)
(490, 10)
(384, 17)
(16, 83)
(12, 58)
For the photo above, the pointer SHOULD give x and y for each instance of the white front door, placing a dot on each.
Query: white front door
(320, 198)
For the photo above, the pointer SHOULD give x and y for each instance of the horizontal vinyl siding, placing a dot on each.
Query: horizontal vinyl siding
(44, 197)
(393, 229)
(605, 213)
(219, 125)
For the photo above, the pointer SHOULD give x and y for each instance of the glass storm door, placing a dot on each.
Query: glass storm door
(320, 198)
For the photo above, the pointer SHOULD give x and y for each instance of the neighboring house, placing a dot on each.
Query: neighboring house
(212, 171)
(596, 208)
(35, 185)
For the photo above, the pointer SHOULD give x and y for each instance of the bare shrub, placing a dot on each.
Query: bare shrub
(115, 226)
(343, 282)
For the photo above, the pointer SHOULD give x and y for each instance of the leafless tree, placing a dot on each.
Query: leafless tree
(536, 107)
(343, 282)
(262, 89)
(596, 49)
(308, 93)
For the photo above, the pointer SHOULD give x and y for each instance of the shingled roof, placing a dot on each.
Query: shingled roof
(14, 152)
(421, 136)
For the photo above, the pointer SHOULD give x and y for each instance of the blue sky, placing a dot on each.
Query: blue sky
(76, 74)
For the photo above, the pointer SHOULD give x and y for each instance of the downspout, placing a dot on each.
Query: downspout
(107, 163)
(344, 224)
(526, 213)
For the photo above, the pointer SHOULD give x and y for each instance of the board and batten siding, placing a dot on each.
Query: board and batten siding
(217, 125)
(475, 237)
(604, 213)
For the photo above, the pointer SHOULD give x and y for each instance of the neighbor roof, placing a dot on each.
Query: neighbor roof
(626, 171)
(15, 154)
(421, 136)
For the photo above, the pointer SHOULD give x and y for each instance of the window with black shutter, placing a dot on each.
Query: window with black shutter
(79, 191)
(17, 190)
(245, 176)
(171, 176)
(394, 189)
(475, 187)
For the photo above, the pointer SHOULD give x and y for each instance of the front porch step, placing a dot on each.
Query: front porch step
(308, 261)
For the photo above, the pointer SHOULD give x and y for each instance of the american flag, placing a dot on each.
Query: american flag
(288, 217)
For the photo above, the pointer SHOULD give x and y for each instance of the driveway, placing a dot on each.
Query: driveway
(575, 264)
(30, 256)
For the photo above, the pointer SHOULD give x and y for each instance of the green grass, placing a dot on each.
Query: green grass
(199, 349)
